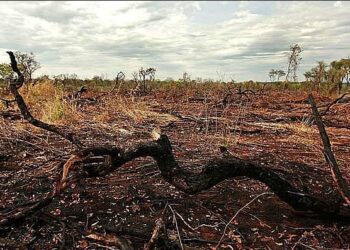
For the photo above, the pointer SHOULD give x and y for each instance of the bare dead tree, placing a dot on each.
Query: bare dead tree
(76, 97)
(236, 94)
(117, 83)
(140, 79)
(27, 63)
(293, 61)
(118, 80)
(186, 78)
(150, 72)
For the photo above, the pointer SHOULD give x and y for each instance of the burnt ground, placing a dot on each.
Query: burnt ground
(272, 129)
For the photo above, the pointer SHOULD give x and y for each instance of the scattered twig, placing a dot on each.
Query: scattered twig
(200, 226)
(260, 221)
(236, 214)
(103, 246)
(32, 144)
(155, 234)
(111, 240)
(302, 244)
(156, 231)
(177, 228)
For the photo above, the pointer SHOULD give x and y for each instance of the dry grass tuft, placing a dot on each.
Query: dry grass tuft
(300, 128)
(137, 111)
(48, 104)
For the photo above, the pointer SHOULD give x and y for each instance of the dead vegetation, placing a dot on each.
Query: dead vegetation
(107, 192)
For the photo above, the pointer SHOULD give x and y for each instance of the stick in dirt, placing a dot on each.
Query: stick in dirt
(328, 153)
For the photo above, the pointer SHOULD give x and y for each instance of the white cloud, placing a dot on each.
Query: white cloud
(338, 4)
(243, 4)
(197, 6)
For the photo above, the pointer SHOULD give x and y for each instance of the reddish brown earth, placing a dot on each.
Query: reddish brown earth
(271, 129)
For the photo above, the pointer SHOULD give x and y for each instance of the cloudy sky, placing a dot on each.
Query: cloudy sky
(239, 40)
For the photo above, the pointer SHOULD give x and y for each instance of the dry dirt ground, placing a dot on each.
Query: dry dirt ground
(272, 128)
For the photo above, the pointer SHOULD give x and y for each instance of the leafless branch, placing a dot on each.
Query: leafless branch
(328, 153)
(14, 86)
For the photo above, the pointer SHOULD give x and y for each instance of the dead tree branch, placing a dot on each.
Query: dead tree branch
(155, 234)
(83, 165)
(214, 172)
(328, 153)
(229, 97)
(7, 102)
(120, 77)
(14, 86)
(328, 106)
(160, 223)
(110, 240)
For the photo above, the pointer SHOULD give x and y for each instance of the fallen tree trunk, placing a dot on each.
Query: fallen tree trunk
(214, 172)
(100, 161)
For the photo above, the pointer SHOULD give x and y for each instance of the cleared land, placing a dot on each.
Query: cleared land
(271, 127)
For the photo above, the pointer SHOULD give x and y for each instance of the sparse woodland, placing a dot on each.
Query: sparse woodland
(181, 165)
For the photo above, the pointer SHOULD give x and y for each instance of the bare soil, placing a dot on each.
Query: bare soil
(272, 128)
